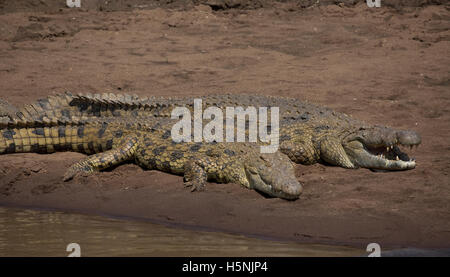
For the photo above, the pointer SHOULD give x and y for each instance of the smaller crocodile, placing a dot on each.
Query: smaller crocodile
(146, 141)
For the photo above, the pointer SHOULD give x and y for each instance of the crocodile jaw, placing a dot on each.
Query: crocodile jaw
(378, 148)
(379, 158)
(274, 175)
(289, 191)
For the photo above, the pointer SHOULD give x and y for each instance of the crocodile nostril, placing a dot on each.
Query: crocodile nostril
(294, 189)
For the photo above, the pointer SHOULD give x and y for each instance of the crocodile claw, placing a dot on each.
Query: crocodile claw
(70, 173)
(76, 170)
(195, 186)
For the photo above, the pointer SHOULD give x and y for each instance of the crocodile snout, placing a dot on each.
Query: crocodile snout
(293, 190)
(408, 138)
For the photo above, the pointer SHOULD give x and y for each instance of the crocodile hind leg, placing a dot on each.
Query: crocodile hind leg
(122, 152)
(195, 175)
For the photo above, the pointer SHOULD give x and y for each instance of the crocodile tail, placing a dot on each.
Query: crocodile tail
(7, 110)
(114, 105)
(21, 137)
(53, 106)
(68, 105)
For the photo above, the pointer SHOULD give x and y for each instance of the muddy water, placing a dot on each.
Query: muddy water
(43, 233)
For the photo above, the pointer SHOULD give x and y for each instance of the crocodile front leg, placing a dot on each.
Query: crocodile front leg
(331, 151)
(124, 151)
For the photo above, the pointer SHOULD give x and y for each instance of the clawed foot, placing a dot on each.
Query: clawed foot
(195, 185)
(194, 176)
(75, 171)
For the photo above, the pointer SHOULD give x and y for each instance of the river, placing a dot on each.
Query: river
(25, 232)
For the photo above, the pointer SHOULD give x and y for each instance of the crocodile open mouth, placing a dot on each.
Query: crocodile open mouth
(391, 157)
(381, 148)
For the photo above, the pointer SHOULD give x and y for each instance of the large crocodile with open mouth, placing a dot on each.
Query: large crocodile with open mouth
(146, 141)
(308, 133)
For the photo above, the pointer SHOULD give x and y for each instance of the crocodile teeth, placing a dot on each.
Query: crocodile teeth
(396, 158)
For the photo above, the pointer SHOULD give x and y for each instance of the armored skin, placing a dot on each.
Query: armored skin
(146, 141)
(308, 133)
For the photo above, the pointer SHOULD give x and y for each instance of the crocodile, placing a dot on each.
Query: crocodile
(308, 133)
(7, 110)
(144, 140)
